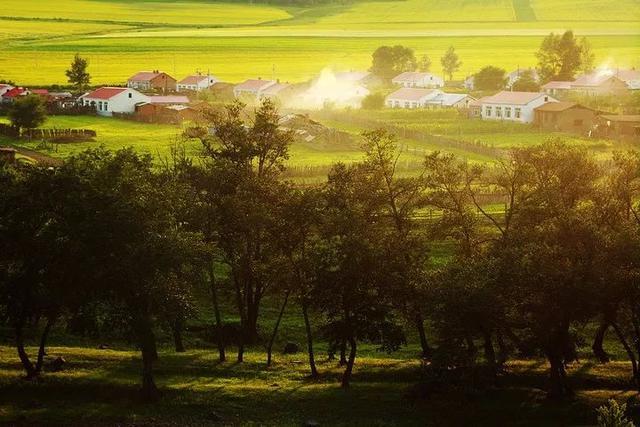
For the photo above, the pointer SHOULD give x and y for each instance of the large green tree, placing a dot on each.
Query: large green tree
(490, 78)
(389, 61)
(561, 56)
(450, 62)
(77, 73)
(27, 112)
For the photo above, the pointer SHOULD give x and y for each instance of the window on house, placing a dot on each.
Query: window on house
(488, 112)
(546, 99)
(406, 105)
(106, 105)
(498, 111)
(100, 105)
(507, 112)
(130, 95)
(518, 112)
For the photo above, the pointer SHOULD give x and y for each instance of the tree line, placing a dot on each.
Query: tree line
(110, 240)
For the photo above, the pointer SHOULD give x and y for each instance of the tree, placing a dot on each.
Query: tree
(490, 78)
(246, 162)
(389, 61)
(561, 56)
(587, 56)
(373, 101)
(77, 74)
(425, 63)
(526, 83)
(27, 112)
(450, 62)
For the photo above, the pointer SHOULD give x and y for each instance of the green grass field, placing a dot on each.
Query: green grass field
(241, 40)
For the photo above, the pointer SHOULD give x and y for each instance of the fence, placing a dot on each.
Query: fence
(51, 135)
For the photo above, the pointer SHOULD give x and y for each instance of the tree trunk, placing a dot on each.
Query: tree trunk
(343, 352)
(598, 349)
(489, 352)
(251, 329)
(630, 353)
(43, 342)
(346, 377)
(22, 354)
(307, 327)
(556, 350)
(243, 323)
(503, 352)
(275, 328)
(427, 352)
(176, 329)
(216, 310)
(147, 340)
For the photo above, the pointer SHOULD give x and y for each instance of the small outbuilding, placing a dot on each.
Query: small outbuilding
(619, 126)
(565, 117)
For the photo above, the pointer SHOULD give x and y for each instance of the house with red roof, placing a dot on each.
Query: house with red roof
(599, 83)
(196, 83)
(152, 80)
(109, 100)
(4, 88)
(556, 87)
(513, 106)
(169, 100)
(10, 95)
(252, 88)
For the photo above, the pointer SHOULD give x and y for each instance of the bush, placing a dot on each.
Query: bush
(373, 101)
(613, 415)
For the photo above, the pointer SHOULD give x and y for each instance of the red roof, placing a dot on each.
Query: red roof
(254, 85)
(175, 99)
(105, 93)
(12, 93)
(145, 76)
(194, 80)
(593, 79)
(41, 92)
(517, 98)
(560, 106)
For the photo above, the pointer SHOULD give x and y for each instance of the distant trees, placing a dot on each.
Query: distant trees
(450, 62)
(27, 112)
(490, 78)
(77, 73)
(560, 57)
(389, 61)
(526, 83)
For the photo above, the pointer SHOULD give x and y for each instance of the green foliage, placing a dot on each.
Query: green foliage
(27, 112)
(561, 56)
(77, 74)
(389, 61)
(613, 415)
(425, 63)
(490, 78)
(450, 62)
(526, 83)
(373, 101)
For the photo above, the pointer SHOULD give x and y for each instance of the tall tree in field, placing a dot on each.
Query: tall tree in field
(587, 57)
(424, 64)
(403, 197)
(490, 78)
(247, 162)
(77, 74)
(560, 57)
(389, 61)
(450, 62)
(526, 83)
(27, 112)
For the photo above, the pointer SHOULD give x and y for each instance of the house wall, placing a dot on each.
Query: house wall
(513, 112)
(164, 82)
(124, 102)
(609, 87)
(573, 120)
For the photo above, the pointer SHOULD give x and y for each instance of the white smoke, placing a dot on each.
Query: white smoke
(331, 90)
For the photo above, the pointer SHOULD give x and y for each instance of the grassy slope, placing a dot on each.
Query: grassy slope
(183, 36)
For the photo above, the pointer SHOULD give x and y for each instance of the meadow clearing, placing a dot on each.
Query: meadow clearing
(236, 41)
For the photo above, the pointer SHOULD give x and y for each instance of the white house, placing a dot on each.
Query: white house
(196, 83)
(514, 76)
(417, 79)
(410, 97)
(513, 106)
(109, 100)
(252, 87)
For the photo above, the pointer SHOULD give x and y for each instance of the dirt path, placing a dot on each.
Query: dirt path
(37, 156)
